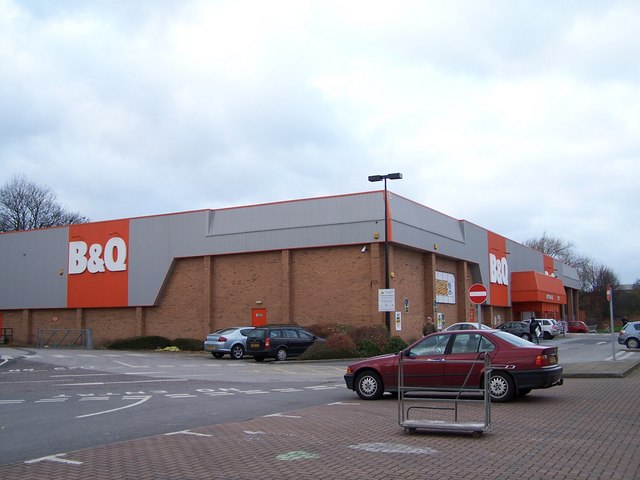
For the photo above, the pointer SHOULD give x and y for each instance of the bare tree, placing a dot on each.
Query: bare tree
(564, 250)
(25, 205)
(554, 247)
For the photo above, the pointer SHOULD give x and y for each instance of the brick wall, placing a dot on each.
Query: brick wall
(179, 313)
(331, 285)
(307, 286)
(240, 281)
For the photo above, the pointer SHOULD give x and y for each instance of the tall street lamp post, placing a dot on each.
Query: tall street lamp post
(378, 178)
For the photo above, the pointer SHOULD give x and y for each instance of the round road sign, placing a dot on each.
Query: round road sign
(477, 293)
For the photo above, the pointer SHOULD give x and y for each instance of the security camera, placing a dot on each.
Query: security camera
(364, 249)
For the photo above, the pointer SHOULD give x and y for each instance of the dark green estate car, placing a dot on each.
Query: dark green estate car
(278, 341)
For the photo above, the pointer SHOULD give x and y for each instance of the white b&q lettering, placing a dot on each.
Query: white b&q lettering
(114, 257)
(498, 270)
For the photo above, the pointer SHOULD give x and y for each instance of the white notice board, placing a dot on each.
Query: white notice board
(386, 300)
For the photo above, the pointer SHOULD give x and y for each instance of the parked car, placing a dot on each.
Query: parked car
(630, 335)
(230, 341)
(549, 327)
(466, 326)
(279, 342)
(519, 329)
(578, 327)
(518, 366)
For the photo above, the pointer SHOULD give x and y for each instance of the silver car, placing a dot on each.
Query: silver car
(630, 335)
(232, 340)
(466, 326)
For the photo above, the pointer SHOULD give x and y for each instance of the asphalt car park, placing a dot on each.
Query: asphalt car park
(585, 429)
(152, 411)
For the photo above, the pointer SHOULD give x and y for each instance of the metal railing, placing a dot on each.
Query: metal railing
(65, 338)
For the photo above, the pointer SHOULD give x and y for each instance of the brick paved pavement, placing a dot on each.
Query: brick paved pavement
(586, 429)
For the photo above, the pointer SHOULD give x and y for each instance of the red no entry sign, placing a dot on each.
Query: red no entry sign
(477, 293)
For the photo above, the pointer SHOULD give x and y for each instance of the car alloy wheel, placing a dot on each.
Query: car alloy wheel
(369, 386)
(237, 352)
(633, 343)
(281, 354)
(501, 387)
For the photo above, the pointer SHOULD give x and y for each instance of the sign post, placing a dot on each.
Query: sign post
(613, 336)
(478, 295)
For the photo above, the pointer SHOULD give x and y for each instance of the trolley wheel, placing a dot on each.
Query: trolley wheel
(477, 434)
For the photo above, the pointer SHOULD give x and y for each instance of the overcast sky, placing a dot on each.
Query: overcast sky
(522, 117)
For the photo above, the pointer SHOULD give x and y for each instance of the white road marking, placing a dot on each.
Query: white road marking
(282, 415)
(620, 356)
(187, 432)
(144, 399)
(132, 381)
(4, 360)
(10, 402)
(131, 366)
(392, 448)
(343, 403)
(55, 458)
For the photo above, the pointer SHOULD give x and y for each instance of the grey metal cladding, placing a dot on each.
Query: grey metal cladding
(423, 228)
(156, 241)
(338, 210)
(33, 269)
(524, 259)
(153, 244)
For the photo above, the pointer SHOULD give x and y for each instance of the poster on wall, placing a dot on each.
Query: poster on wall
(445, 288)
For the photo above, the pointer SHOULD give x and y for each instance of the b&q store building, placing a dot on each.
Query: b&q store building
(308, 261)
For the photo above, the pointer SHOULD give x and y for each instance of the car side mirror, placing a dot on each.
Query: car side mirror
(407, 353)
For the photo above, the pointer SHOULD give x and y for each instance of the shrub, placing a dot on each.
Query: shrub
(139, 343)
(374, 334)
(188, 344)
(325, 330)
(336, 346)
(368, 348)
(395, 345)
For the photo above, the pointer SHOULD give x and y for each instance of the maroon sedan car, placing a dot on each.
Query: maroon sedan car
(518, 366)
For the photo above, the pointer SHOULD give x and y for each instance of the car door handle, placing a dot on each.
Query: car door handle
(435, 359)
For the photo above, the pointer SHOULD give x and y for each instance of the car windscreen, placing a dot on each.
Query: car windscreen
(512, 339)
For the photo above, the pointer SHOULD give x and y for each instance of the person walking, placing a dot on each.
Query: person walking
(534, 327)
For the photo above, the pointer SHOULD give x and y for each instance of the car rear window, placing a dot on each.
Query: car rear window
(512, 339)
(259, 333)
(224, 331)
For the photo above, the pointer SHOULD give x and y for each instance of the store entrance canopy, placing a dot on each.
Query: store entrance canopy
(536, 287)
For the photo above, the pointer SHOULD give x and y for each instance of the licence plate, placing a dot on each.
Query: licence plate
(254, 345)
(209, 347)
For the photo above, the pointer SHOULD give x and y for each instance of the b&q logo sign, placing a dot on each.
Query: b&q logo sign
(498, 270)
(98, 258)
(113, 259)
